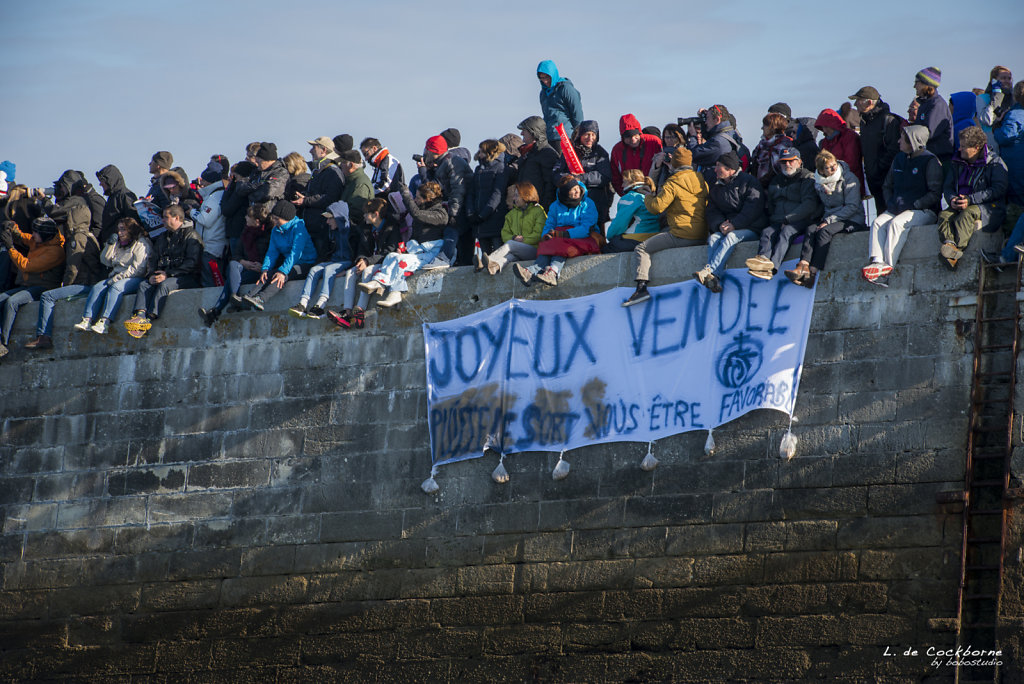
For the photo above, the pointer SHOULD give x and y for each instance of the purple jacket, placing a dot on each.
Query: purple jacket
(933, 112)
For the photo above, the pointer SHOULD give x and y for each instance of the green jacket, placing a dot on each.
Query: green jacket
(358, 191)
(527, 222)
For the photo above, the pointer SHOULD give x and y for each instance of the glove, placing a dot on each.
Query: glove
(996, 86)
(7, 238)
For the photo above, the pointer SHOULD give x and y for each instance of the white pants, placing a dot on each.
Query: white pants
(889, 233)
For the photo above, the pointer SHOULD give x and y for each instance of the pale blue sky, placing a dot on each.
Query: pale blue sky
(87, 84)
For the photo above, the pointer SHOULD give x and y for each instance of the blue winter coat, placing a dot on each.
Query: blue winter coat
(963, 105)
(1010, 138)
(290, 243)
(559, 103)
(578, 220)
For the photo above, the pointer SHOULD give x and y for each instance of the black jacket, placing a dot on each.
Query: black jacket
(265, 186)
(323, 190)
(428, 222)
(233, 206)
(793, 199)
(802, 132)
(120, 202)
(177, 253)
(597, 176)
(536, 166)
(740, 201)
(452, 172)
(485, 204)
(879, 142)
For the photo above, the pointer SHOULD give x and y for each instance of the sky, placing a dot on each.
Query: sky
(89, 84)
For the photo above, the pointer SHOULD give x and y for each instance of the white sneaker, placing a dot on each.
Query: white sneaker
(373, 287)
(84, 325)
(100, 326)
(394, 298)
(440, 261)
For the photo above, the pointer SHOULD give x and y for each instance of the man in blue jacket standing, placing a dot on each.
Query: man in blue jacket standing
(559, 101)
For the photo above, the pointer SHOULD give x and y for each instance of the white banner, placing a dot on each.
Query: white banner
(560, 374)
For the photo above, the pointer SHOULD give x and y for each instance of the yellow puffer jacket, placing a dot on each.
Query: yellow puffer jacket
(682, 200)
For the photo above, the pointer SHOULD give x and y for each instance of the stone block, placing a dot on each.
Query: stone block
(499, 519)
(205, 563)
(892, 499)
(863, 469)
(102, 512)
(142, 539)
(31, 461)
(241, 532)
(901, 563)
(890, 532)
(175, 596)
(576, 514)
(360, 525)
(68, 543)
(161, 479)
(669, 509)
(188, 506)
(228, 475)
(30, 517)
(736, 569)
(812, 503)
(702, 540)
(758, 504)
(807, 471)
(869, 407)
(946, 465)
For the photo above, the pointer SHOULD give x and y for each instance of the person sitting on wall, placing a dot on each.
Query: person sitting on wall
(633, 223)
(735, 214)
(682, 201)
(174, 264)
(429, 219)
(523, 226)
(38, 270)
(245, 270)
(839, 191)
(324, 273)
(566, 234)
(378, 236)
(127, 255)
(975, 191)
(290, 255)
(841, 141)
(793, 205)
(913, 189)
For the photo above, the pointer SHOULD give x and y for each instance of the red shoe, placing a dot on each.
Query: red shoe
(359, 318)
(339, 320)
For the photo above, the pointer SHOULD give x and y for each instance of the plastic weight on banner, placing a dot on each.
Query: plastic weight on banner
(561, 470)
(787, 449)
(571, 160)
(650, 462)
(709, 445)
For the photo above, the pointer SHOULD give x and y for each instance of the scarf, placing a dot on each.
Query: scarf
(829, 184)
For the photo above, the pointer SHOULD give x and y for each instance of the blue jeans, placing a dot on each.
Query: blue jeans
(721, 246)
(12, 300)
(110, 295)
(44, 324)
(451, 239)
(1016, 237)
(544, 261)
(324, 274)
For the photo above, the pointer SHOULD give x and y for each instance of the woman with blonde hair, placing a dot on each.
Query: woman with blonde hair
(300, 175)
(633, 223)
(521, 232)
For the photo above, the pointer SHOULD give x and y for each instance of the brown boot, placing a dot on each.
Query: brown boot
(799, 274)
(40, 343)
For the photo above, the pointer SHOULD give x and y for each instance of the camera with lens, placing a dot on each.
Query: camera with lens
(700, 122)
(417, 157)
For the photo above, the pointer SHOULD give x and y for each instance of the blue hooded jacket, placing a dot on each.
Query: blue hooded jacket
(963, 110)
(559, 103)
(578, 220)
(291, 243)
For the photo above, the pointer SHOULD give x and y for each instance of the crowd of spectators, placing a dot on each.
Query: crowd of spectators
(348, 216)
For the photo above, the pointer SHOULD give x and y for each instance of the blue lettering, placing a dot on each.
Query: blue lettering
(438, 377)
(496, 340)
(538, 347)
(777, 309)
(579, 331)
(696, 315)
(515, 339)
(659, 322)
(459, 356)
(638, 339)
(751, 305)
(726, 296)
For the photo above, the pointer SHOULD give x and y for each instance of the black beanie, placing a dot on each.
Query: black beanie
(781, 108)
(45, 227)
(342, 142)
(283, 210)
(730, 161)
(267, 152)
(244, 168)
(452, 136)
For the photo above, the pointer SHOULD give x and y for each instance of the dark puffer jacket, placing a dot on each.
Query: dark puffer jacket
(428, 221)
(264, 186)
(720, 139)
(485, 203)
(597, 170)
(537, 161)
(324, 189)
(914, 181)
(984, 182)
(740, 200)
(879, 143)
(72, 212)
(119, 201)
(454, 175)
(177, 253)
(793, 200)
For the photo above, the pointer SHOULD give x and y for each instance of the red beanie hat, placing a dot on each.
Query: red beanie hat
(437, 145)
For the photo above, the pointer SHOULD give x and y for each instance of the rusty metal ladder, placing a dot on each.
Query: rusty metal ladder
(986, 496)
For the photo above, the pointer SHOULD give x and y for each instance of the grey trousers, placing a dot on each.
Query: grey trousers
(666, 240)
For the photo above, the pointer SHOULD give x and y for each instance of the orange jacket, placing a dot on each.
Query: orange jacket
(42, 264)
